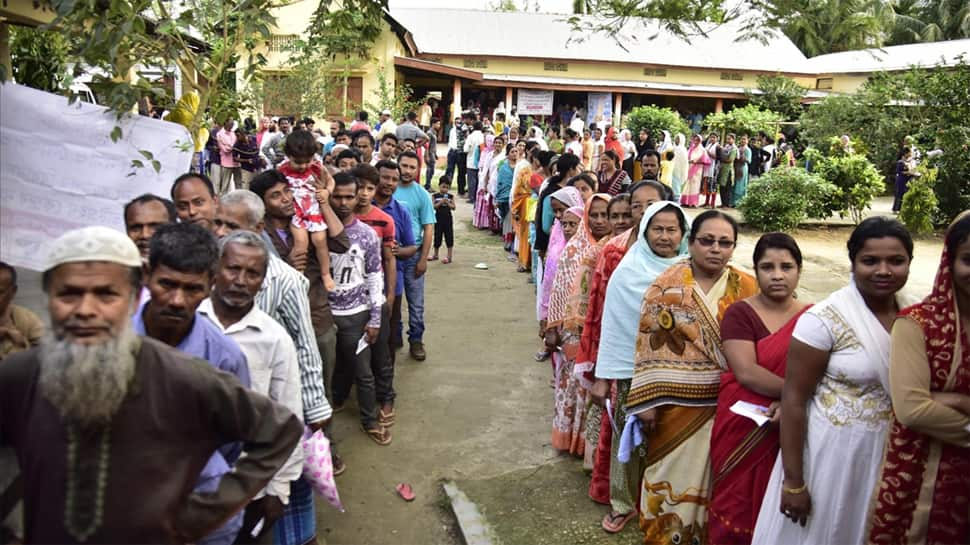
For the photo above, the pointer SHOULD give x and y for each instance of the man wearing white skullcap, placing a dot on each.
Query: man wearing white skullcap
(112, 429)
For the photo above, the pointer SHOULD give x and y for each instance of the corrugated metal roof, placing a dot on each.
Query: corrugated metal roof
(547, 36)
(897, 57)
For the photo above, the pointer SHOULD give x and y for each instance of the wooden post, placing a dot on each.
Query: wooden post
(456, 99)
(508, 103)
(719, 105)
(5, 52)
(617, 106)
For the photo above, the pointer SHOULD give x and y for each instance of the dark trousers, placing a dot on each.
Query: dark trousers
(429, 172)
(727, 193)
(380, 360)
(462, 171)
(396, 327)
(452, 163)
(902, 185)
(444, 228)
(354, 368)
(472, 184)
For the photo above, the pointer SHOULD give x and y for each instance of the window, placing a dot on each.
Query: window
(355, 96)
(731, 76)
(555, 66)
(279, 43)
(476, 63)
(823, 83)
(655, 72)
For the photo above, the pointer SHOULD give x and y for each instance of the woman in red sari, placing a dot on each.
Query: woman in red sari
(924, 489)
(755, 334)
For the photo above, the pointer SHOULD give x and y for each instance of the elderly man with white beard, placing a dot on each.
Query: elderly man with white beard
(111, 429)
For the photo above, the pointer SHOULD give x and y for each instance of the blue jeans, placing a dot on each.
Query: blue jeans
(414, 291)
(429, 172)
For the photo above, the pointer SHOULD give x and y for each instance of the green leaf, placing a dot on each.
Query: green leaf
(135, 163)
(146, 154)
(116, 134)
(157, 165)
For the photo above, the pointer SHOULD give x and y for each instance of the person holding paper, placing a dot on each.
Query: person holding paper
(676, 377)
(929, 378)
(835, 409)
(356, 304)
(755, 334)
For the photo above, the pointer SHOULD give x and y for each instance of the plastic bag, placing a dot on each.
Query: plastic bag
(318, 467)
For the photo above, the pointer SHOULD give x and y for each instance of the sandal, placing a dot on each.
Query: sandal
(386, 419)
(615, 522)
(338, 465)
(432, 258)
(404, 490)
(380, 435)
(445, 261)
(541, 355)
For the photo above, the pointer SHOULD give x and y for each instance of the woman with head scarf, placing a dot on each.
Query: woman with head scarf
(836, 411)
(482, 213)
(612, 142)
(567, 307)
(929, 441)
(677, 375)
(698, 161)
(680, 168)
(535, 135)
(648, 256)
(561, 200)
(491, 185)
(629, 151)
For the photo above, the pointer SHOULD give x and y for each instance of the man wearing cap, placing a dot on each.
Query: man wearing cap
(113, 429)
(388, 126)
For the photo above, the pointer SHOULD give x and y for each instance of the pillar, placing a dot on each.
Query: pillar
(508, 103)
(617, 106)
(5, 61)
(455, 100)
(719, 105)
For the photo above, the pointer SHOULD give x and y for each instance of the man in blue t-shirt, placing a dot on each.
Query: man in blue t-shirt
(418, 203)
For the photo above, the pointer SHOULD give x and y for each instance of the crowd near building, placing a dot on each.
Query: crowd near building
(185, 365)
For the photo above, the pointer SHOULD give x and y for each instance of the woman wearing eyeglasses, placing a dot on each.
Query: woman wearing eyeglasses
(677, 377)
(835, 405)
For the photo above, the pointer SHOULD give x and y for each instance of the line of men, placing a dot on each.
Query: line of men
(201, 276)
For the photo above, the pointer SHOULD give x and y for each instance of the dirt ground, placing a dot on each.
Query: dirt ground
(478, 411)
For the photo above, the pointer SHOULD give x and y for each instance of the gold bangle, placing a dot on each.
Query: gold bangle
(798, 490)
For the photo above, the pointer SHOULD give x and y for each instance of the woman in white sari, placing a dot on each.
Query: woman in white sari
(680, 166)
(835, 408)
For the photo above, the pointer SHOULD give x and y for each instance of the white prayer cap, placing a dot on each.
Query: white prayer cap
(337, 148)
(386, 112)
(94, 243)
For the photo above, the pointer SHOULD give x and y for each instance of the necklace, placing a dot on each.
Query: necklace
(82, 513)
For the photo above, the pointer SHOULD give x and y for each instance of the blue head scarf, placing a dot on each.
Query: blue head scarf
(624, 295)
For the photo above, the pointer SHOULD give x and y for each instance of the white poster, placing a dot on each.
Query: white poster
(534, 102)
(599, 109)
(60, 170)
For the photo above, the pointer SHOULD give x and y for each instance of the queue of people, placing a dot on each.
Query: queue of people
(212, 313)
(712, 405)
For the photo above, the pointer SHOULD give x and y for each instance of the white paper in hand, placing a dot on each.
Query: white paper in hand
(758, 413)
(362, 344)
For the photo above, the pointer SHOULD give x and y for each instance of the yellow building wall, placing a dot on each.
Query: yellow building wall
(615, 71)
(292, 20)
(847, 83)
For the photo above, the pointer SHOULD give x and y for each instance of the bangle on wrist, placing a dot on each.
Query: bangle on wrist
(795, 491)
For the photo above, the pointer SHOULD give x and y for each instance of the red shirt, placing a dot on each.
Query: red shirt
(381, 223)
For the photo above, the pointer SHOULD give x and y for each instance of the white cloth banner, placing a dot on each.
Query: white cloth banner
(599, 109)
(535, 102)
(61, 171)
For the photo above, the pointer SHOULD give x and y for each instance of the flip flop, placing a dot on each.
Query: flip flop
(385, 419)
(404, 490)
(380, 435)
(615, 522)
(445, 261)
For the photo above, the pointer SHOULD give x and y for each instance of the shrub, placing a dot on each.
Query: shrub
(747, 119)
(656, 119)
(779, 94)
(919, 203)
(784, 197)
(857, 180)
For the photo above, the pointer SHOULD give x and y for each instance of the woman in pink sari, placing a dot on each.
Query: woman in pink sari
(484, 210)
(698, 159)
(755, 334)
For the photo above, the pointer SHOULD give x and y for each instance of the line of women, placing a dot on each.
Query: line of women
(715, 406)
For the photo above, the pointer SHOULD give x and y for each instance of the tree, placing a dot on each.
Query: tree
(828, 26)
(779, 94)
(748, 119)
(928, 21)
(395, 98)
(39, 58)
(198, 38)
(656, 119)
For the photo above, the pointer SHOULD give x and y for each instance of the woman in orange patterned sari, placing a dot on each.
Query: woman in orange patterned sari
(924, 489)
(521, 192)
(677, 377)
